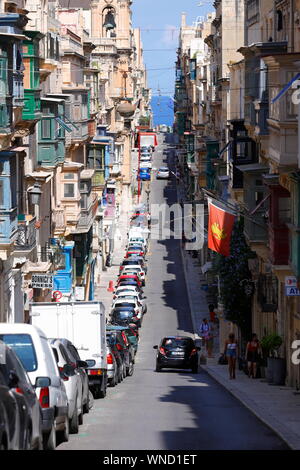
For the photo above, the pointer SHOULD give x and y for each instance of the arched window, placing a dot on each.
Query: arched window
(109, 23)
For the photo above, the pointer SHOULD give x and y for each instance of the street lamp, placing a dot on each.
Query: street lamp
(35, 194)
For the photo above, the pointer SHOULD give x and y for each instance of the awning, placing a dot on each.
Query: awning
(19, 149)
(17, 36)
(55, 100)
(40, 175)
(252, 167)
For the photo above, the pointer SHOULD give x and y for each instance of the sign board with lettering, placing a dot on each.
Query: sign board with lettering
(42, 281)
(292, 291)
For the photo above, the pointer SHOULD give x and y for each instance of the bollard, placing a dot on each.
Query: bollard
(110, 286)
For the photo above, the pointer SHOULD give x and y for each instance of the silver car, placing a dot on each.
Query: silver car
(73, 384)
(163, 173)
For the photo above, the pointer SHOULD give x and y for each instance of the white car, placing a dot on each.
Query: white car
(131, 293)
(135, 268)
(120, 289)
(146, 164)
(139, 239)
(132, 302)
(35, 353)
(73, 384)
(163, 173)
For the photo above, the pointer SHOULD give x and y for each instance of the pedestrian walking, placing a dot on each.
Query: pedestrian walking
(205, 333)
(252, 355)
(231, 352)
(212, 314)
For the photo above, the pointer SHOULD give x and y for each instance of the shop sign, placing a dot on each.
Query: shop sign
(292, 291)
(42, 281)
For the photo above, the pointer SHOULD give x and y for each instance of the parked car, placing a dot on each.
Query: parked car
(163, 173)
(135, 269)
(129, 282)
(127, 294)
(132, 277)
(71, 376)
(144, 174)
(81, 367)
(26, 416)
(124, 316)
(137, 260)
(132, 253)
(35, 353)
(116, 367)
(132, 333)
(177, 352)
(10, 421)
(130, 302)
(123, 345)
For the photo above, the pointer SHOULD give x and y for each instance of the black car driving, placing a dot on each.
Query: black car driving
(177, 352)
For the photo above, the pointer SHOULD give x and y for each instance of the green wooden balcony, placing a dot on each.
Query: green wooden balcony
(32, 105)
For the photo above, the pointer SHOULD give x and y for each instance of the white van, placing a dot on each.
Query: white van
(34, 351)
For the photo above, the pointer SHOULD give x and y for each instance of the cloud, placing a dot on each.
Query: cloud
(170, 35)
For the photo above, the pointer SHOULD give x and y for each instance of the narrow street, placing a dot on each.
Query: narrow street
(168, 410)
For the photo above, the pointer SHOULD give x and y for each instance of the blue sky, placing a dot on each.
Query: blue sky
(160, 21)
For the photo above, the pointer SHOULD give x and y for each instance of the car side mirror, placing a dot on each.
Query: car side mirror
(13, 379)
(82, 364)
(155, 347)
(42, 382)
(68, 370)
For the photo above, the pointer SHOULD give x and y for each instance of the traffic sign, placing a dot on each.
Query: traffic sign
(57, 295)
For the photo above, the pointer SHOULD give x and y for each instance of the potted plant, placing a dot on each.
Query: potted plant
(276, 366)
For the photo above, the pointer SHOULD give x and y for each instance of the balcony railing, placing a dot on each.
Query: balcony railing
(26, 235)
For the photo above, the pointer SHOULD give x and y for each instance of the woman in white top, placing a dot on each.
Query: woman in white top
(231, 352)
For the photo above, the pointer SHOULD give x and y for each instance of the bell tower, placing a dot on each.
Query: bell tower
(111, 18)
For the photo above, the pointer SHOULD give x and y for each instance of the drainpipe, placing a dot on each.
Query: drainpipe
(291, 47)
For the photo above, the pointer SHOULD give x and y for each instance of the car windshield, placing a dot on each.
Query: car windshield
(172, 343)
(123, 314)
(24, 349)
(163, 169)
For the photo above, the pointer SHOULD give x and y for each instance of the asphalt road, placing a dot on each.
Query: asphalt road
(168, 410)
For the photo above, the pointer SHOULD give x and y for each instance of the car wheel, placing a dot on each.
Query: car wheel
(64, 435)
(27, 443)
(80, 417)
(112, 382)
(158, 368)
(130, 369)
(86, 406)
(49, 440)
(74, 422)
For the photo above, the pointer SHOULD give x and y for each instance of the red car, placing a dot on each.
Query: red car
(130, 276)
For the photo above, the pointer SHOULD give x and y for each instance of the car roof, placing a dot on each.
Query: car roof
(116, 328)
(163, 168)
(21, 328)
